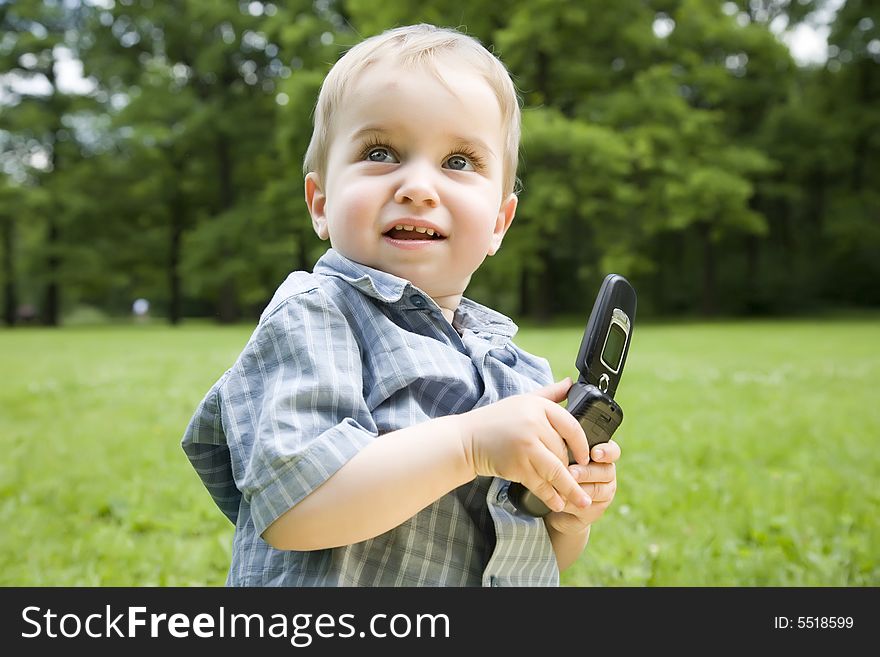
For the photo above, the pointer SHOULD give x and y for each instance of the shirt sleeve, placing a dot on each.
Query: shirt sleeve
(293, 408)
(204, 444)
(535, 368)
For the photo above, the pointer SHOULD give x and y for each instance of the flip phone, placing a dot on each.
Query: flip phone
(600, 362)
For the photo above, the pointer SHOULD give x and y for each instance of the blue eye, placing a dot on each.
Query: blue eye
(380, 154)
(459, 163)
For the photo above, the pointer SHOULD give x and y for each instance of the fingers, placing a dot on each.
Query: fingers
(545, 492)
(593, 472)
(598, 480)
(564, 422)
(546, 474)
(555, 392)
(606, 452)
(556, 485)
(584, 517)
(600, 493)
(570, 430)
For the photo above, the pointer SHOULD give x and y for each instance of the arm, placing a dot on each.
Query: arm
(306, 452)
(398, 474)
(569, 530)
(387, 482)
(568, 547)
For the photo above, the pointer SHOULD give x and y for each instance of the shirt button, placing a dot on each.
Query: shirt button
(502, 494)
(417, 301)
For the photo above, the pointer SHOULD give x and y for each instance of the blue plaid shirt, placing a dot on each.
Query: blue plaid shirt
(339, 357)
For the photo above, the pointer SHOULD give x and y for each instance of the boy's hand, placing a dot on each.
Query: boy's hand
(526, 438)
(597, 479)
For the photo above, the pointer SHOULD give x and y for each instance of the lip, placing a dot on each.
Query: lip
(413, 221)
(411, 244)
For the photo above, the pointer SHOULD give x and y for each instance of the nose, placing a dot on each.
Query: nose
(416, 185)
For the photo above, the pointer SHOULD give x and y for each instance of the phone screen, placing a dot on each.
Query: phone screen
(614, 344)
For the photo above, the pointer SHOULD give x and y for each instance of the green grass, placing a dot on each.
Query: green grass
(749, 456)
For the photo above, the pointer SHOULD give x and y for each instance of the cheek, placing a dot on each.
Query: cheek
(480, 210)
(355, 201)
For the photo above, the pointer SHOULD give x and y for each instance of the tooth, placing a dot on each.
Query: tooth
(430, 232)
(408, 227)
(421, 229)
(398, 227)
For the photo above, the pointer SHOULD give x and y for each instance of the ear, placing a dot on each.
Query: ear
(502, 222)
(316, 202)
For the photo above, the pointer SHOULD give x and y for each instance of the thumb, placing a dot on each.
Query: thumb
(555, 392)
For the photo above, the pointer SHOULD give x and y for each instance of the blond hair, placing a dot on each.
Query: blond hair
(415, 45)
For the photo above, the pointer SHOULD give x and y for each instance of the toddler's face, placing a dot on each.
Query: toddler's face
(414, 176)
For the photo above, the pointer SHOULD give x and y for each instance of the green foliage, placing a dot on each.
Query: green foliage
(696, 159)
(738, 467)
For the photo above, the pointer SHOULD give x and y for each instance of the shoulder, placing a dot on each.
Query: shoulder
(308, 317)
(298, 286)
(305, 296)
(301, 335)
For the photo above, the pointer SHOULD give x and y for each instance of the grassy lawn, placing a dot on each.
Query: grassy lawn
(749, 456)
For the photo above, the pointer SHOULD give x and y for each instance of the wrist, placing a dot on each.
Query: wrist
(461, 427)
(567, 547)
(565, 524)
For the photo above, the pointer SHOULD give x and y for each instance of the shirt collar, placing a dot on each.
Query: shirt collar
(388, 288)
(373, 282)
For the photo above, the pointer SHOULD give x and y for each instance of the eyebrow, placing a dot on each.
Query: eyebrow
(382, 130)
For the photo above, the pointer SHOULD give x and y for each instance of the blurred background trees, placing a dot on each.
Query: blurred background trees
(674, 141)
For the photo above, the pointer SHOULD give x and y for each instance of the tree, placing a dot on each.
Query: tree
(9, 200)
(673, 141)
(37, 37)
(205, 75)
(854, 88)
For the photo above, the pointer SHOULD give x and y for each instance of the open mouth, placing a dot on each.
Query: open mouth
(405, 232)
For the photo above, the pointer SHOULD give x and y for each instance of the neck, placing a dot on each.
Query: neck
(448, 304)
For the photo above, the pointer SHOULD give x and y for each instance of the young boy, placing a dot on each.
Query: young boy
(369, 430)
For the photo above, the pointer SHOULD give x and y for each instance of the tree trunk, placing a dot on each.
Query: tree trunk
(658, 280)
(705, 233)
(860, 148)
(816, 208)
(524, 305)
(302, 253)
(175, 235)
(753, 254)
(543, 297)
(9, 298)
(52, 299)
(227, 305)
